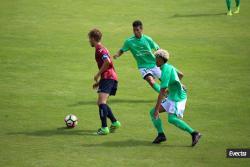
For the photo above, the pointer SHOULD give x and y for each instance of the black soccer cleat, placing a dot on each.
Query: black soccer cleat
(160, 138)
(195, 138)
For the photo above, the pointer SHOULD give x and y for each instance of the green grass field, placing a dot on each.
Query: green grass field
(47, 69)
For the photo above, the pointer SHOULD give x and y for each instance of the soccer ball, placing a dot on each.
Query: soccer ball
(71, 121)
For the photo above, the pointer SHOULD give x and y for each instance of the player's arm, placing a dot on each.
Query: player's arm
(118, 54)
(180, 74)
(163, 92)
(161, 96)
(124, 48)
(95, 85)
(103, 68)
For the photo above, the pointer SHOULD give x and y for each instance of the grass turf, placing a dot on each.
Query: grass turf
(47, 68)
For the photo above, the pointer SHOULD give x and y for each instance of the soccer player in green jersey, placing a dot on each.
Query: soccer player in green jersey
(229, 2)
(175, 102)
(142, 48)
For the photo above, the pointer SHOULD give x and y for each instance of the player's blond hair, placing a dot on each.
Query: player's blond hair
(162, 53)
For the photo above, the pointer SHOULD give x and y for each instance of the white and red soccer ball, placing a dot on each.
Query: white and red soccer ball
(71, 121)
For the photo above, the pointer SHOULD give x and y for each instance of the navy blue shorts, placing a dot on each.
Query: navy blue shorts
(108, 86)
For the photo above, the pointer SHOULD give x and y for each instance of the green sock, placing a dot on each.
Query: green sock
(157, 122)
(156, 87)
(228, 4)
(173, 119)
(237, 3)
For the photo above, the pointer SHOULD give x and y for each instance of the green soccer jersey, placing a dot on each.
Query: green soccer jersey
(142, 50)
(170, 80)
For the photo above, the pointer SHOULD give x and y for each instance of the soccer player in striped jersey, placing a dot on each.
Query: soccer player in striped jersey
(106, 81)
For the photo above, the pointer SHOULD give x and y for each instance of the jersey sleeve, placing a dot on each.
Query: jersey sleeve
(153, 45)
(104, 55)
(165, 77)
(125, 46)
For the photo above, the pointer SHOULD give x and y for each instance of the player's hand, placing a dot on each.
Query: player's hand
(156, 114)
(95, 85)
(115, 56)
(96, 77)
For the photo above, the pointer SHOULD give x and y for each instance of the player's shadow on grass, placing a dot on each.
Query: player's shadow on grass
(113, 101)
(197, 15)
(131, 143)
(58, 131)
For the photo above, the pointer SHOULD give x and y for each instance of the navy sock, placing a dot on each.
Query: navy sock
(111, 115)
(103, 112)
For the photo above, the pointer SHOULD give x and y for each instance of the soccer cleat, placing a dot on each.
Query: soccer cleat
(103, 131)
(195, 138)
(237, 11)
(114, 126)
(160, 138)
(229, 13)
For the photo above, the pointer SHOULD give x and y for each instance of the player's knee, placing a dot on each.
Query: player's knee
(150, 80)
(171, 118)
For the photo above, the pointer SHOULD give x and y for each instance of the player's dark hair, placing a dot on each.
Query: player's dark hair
(96, 34)
(137, 23)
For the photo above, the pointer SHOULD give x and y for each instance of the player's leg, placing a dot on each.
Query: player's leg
(156, 71)
(147, 74)
(176, 110)
(159, 127)
(150, 79)
(103, 112)
(228, 4)
(229, 11)
(237, 3)
(115, 123)
(237, 7)
(173, 119)
(110, 114)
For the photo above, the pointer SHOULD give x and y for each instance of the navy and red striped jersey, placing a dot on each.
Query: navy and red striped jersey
(101, 54)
